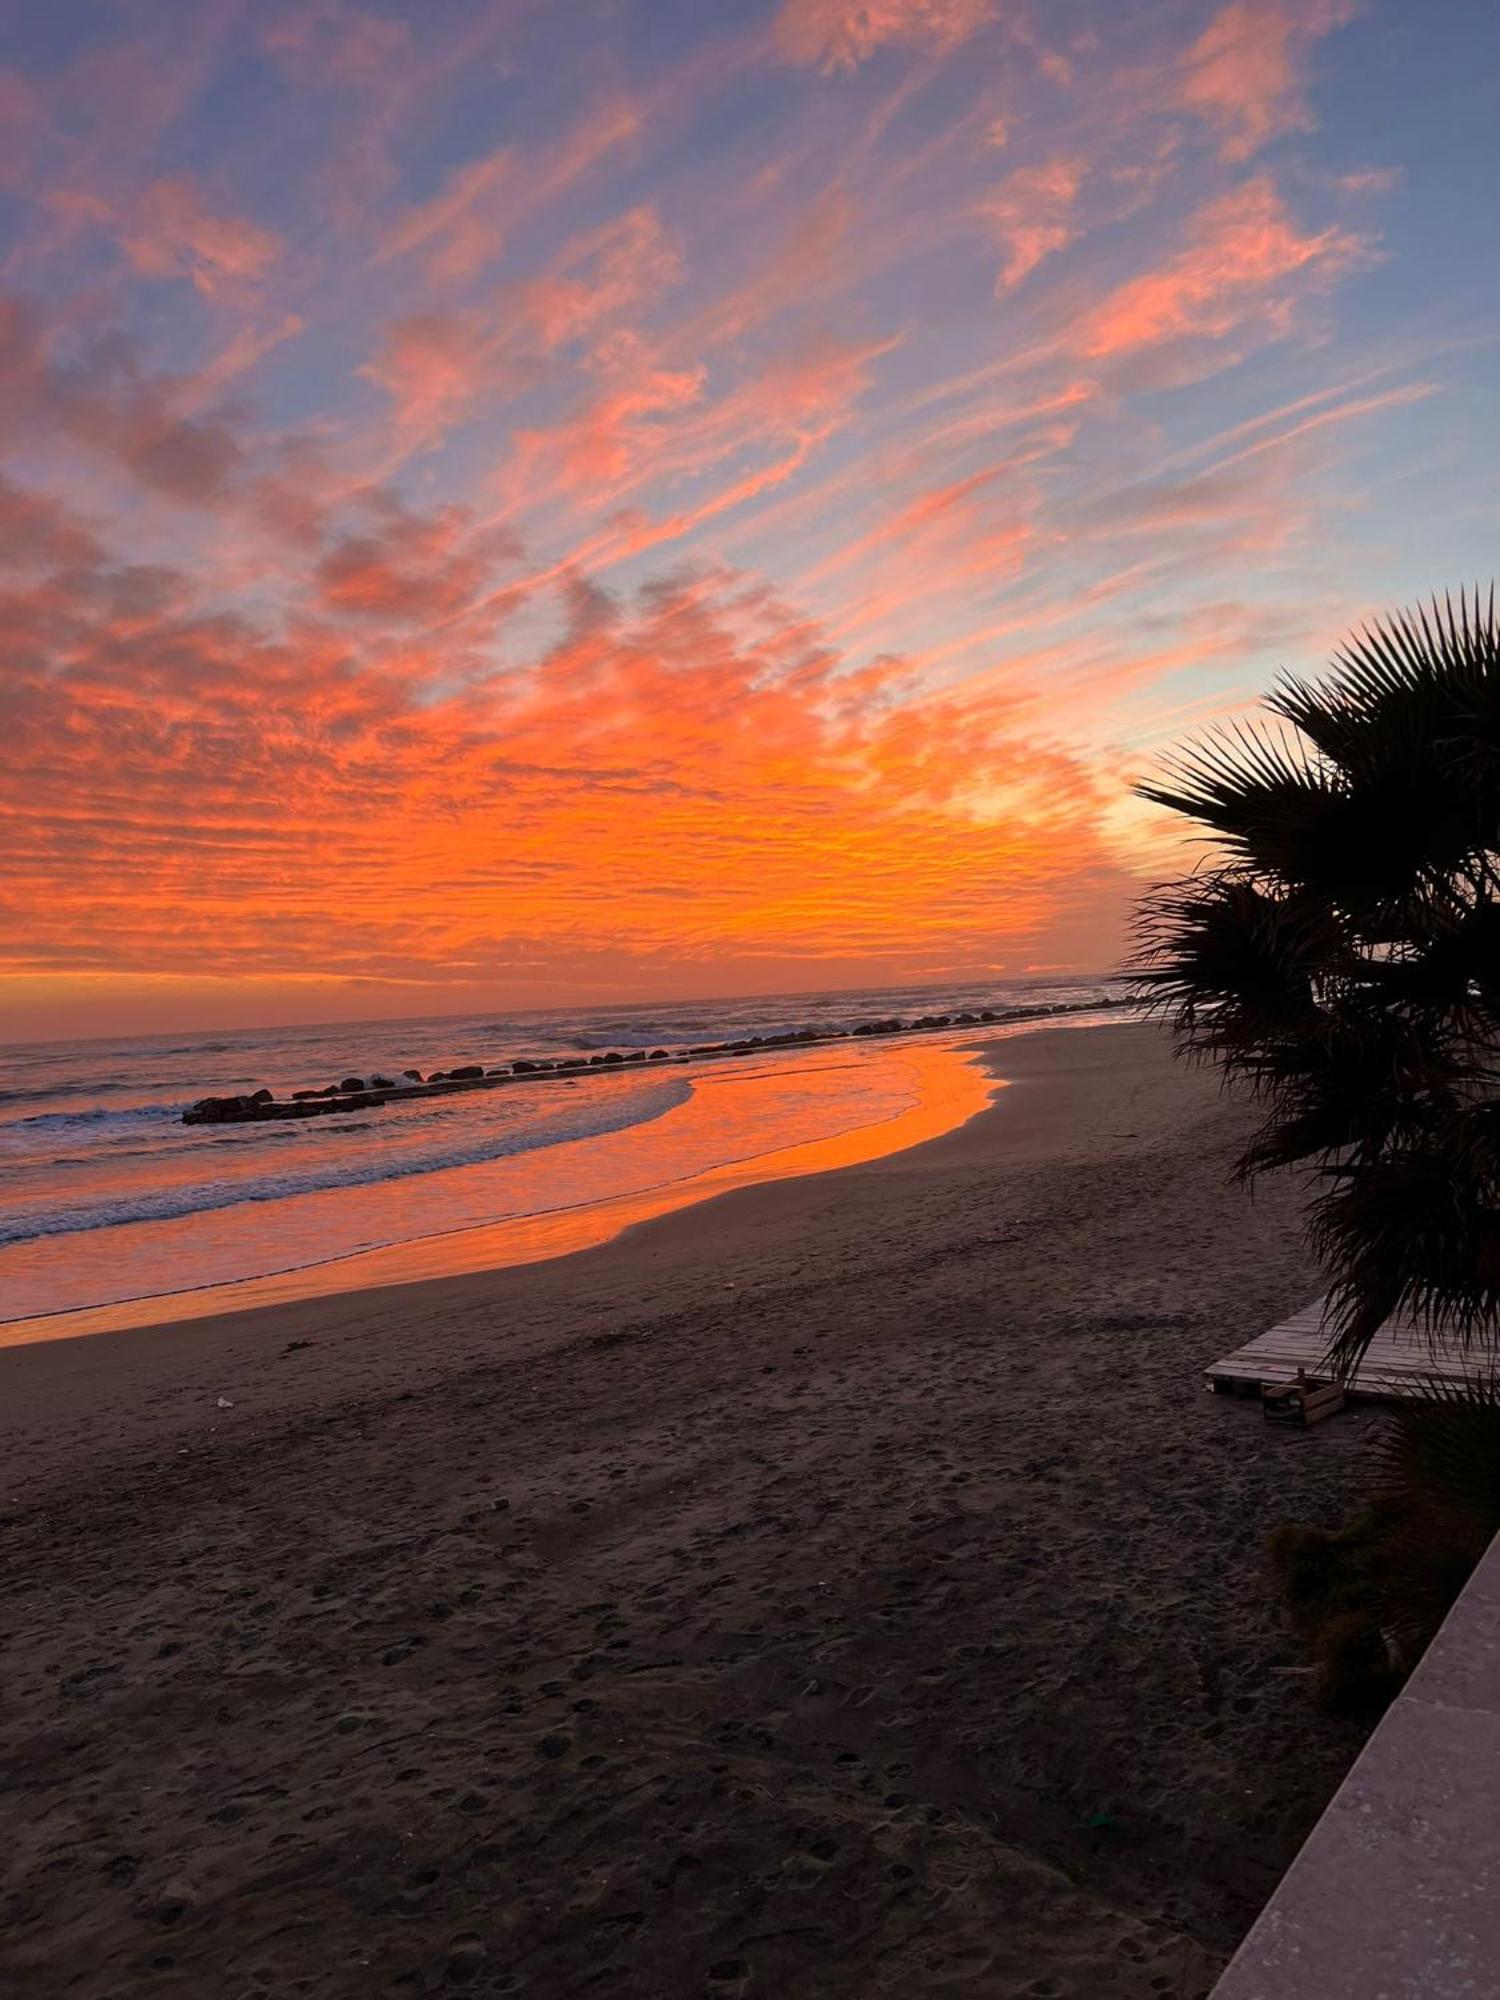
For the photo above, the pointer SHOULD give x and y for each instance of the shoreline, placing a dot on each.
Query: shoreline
(845, 1579)
(946, 1098)
(356, 1094)
(182, 1362)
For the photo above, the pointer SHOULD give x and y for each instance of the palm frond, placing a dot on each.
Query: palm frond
(1343, 959)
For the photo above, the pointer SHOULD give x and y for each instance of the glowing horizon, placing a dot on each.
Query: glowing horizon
(651, 502)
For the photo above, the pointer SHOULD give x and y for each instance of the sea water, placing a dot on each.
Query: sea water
(106, 1196)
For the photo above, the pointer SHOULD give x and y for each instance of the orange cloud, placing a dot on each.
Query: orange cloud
(1244, 260)
(841, 34)
(1243, 74)
(694, 771)
(653, 424)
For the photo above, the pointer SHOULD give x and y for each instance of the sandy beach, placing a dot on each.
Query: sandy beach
(843, 1587)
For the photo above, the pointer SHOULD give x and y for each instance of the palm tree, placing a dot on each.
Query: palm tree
(1339, 953)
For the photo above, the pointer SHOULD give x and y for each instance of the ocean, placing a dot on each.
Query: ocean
(105, 1196)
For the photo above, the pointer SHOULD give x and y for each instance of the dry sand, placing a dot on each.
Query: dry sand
(841, 1588)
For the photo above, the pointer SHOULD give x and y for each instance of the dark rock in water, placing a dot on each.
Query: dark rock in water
(437, 1076)
(523, 1068)
(221, 1110)
(614, 1056)
(263, 1096)
(352, 1083)
(466, 1074)
(638, 1055)
(382, 1083)
(301, 1096)
(412, 1075)
(658, 1055)
(987, 1014)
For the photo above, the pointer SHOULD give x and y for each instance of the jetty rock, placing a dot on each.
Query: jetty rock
(352, 1083)
(467, 1074)
(225, 1110)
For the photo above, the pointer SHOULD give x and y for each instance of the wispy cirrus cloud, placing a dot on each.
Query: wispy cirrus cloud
(841, 34)
(1244, 260)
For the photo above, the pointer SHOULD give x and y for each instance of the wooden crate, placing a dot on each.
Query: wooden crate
(1306, 1399)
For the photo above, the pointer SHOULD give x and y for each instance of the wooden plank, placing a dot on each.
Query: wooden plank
(1400, 1360)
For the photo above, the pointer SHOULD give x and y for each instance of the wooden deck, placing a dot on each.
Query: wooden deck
(1401, 1360)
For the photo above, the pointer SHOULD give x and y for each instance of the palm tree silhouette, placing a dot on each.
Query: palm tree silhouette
(1339, 952)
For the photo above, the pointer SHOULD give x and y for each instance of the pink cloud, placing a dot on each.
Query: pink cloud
(603, 444)
(441, 366)
(1243, 75)
(352, 50)
(173, 234)
(465, 226)
(169, 231)
(105, 401)
(21, 123)
(1244, 260)
(599, 275)
(1031, 212)
(437, 366)
(1369, 180)
(38, 532)
(403, 568)
(841, 34)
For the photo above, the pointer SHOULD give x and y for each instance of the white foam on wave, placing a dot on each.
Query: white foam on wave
(584, 1118)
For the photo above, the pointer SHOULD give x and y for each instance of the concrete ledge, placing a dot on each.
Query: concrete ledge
(1396, 1893)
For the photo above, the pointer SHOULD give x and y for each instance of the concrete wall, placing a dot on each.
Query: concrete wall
(1396, 1894)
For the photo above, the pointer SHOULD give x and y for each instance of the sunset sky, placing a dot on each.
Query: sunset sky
(522, 504)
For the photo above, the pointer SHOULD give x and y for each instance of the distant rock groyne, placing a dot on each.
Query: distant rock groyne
(360, 1093)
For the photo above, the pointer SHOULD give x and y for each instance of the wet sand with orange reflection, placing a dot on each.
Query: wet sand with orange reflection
(953, 1086)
